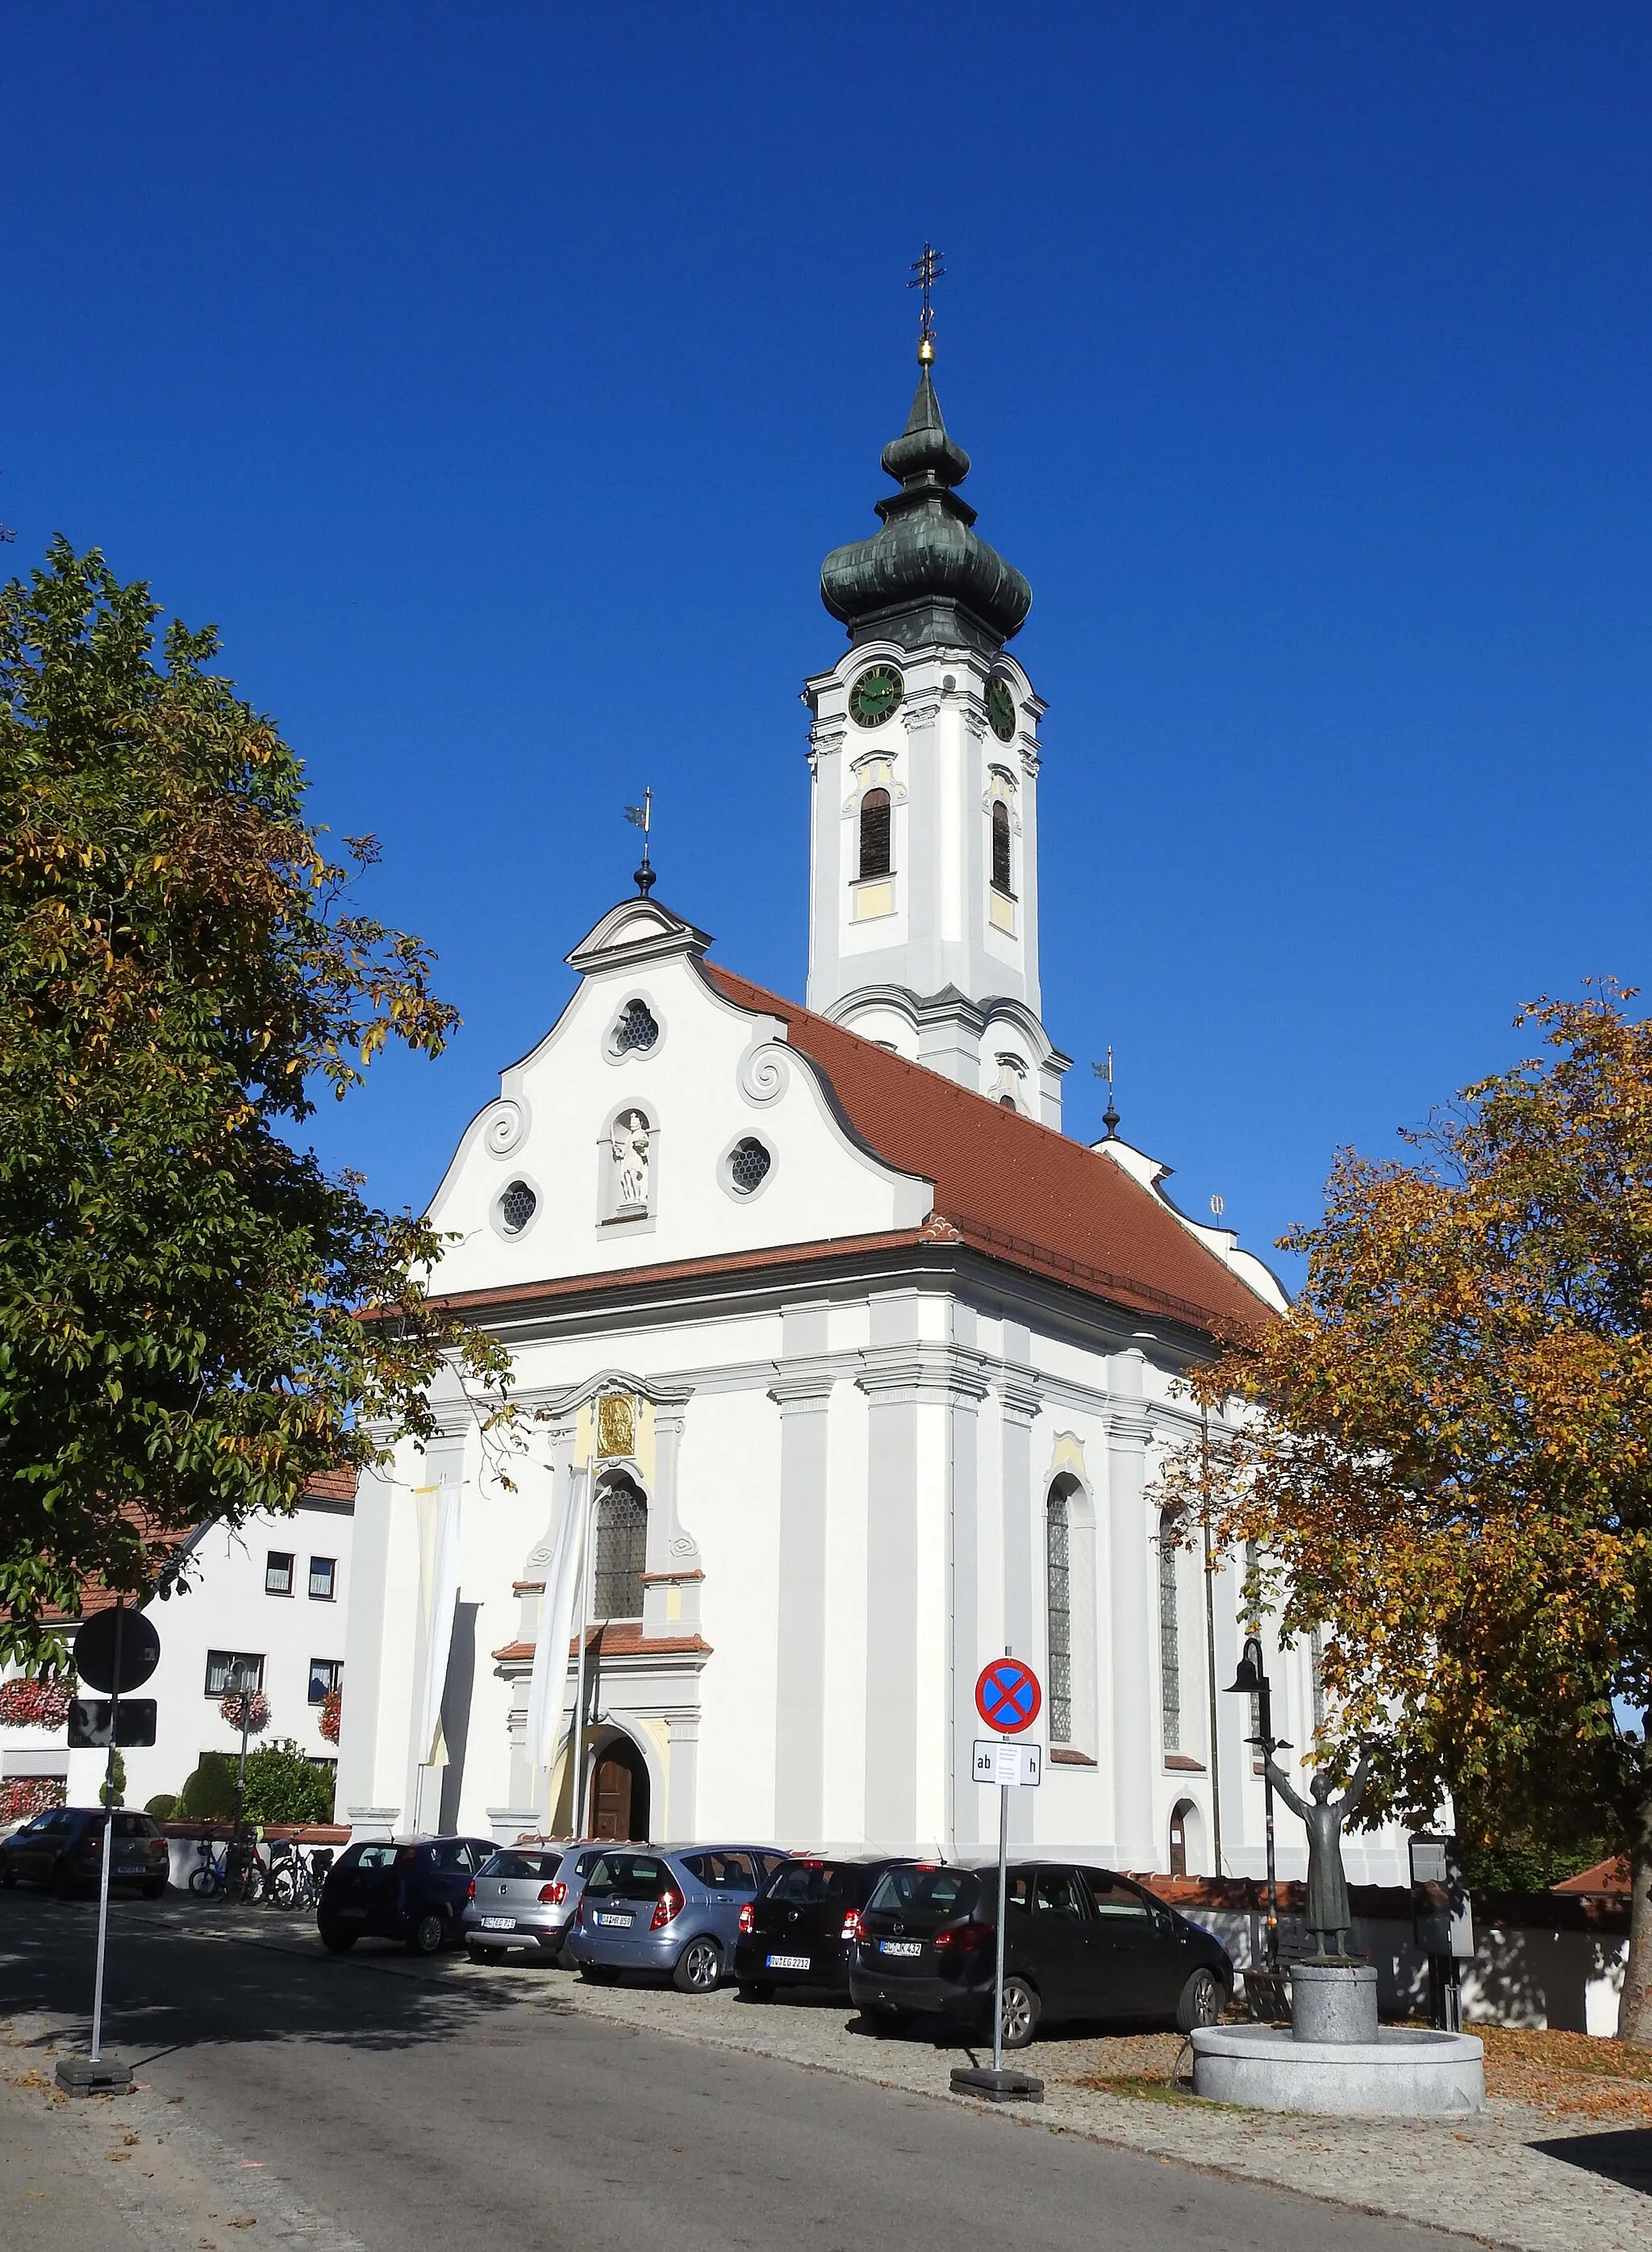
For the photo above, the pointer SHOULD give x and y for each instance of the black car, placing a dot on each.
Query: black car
(1079, 1943)
(801, 1927)
(64, 1848)
(415, 1892)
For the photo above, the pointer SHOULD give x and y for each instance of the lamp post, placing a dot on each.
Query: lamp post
(244, 1681)
(1251, 1680)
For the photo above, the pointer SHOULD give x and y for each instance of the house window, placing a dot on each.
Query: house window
(278, 1573)
(226, 1667)
(1170, 1637)
(1058, 1613)
(621, 1551)
(874, 834)
(323, 1577)
(1252, 1624)
(326, 1674)
(1001, 849)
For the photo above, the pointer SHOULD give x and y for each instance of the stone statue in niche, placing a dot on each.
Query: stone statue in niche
(629, 1139)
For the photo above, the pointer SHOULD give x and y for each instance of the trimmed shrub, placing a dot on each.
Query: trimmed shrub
(209, 1794)
(283, 1786)
(161, 1806)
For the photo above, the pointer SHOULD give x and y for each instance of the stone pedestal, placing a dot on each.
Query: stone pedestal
(1333, 2002)
(78, 2075)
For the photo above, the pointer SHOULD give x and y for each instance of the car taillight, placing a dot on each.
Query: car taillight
(667, 1905)
(470, 1890)
(853, 1930)
(748, 1917)
(961, 1937)
(578, 1913)
(552, 1895)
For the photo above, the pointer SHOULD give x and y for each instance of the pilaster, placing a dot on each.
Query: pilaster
(1131, 1611)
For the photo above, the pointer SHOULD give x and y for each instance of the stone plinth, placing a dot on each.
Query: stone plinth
(1333, 2002)
(78, 2075)
(1402, 2074)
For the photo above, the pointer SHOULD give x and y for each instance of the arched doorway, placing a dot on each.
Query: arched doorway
(1183, 1816)
(620, 1793)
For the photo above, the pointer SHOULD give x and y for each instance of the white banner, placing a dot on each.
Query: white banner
(443, 1603)
(547, 1688)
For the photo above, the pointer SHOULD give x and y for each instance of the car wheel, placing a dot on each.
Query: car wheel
(1202, 2001)
(485, 1954)
(601, 1974)
(338, 1942)
(757, 1990)
(429, 1934)
(154, 1887)
(699, 1968)
(1020, 2015)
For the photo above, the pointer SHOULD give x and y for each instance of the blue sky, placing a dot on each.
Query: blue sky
(496, 379)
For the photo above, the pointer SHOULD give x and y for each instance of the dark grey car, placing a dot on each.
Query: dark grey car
(525, 1896)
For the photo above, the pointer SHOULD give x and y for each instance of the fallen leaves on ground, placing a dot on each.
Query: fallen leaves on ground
(1575, 2075)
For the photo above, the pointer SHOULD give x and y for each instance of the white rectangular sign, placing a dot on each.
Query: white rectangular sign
(1019, 1765)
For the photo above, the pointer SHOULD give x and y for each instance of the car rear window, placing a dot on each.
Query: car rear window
(371, 1857)
(521, 1864)
(934, 1892)
(628, 1876)
(808, 1884)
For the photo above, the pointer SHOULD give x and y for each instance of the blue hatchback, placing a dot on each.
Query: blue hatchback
(674, 1912)
(414, 1893)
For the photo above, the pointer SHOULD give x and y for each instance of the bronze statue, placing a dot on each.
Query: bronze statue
(1327, 1919)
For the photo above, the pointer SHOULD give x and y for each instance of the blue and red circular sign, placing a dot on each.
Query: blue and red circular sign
(1008, 1697)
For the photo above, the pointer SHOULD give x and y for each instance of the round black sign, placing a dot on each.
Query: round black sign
(94, 1651)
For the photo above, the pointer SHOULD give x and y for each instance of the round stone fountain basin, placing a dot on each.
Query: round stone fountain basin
(1403, 2073)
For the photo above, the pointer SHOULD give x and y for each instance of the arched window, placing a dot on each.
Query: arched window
(621, 1551)
(1001, 849)
(1057, 1582)
(874, 833)
(1169, 1637)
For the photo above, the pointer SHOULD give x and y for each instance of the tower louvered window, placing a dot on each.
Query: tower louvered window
(874, 834)
(1001, 849)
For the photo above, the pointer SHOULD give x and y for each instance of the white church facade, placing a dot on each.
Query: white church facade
(847, 1368)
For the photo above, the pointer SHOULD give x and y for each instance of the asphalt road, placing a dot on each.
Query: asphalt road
(422, 2111)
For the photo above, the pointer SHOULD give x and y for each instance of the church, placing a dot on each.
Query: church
(847, 1370)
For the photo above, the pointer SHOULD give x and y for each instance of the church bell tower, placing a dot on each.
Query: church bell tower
(924, 858)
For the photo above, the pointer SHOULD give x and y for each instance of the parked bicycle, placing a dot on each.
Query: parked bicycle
(229, 1872)
(296, 1878)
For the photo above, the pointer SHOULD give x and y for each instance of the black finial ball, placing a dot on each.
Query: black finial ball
(645, 880)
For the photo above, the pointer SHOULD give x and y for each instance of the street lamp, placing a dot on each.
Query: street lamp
(1251, 1680)
(244, 1680)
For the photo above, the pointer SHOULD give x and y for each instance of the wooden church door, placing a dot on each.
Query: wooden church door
(620, 1793)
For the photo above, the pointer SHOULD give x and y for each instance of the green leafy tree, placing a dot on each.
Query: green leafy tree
(182, 1291)
(1448, 1466)
(283, 1785)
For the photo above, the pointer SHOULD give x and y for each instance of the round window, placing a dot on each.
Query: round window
(517, 1207)
(748, 1164)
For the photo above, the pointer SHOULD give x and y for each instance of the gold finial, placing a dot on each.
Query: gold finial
(926, 272)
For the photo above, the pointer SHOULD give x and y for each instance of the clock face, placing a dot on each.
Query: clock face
(1001, 710)
(876, 695)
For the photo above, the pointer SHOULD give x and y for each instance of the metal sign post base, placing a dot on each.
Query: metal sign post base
(996, 2084)
(79, 2076)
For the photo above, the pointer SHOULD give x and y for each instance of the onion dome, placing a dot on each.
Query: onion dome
(926, 577)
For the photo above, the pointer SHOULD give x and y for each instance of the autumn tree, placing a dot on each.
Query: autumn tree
(181, 973)
(1444, 1455)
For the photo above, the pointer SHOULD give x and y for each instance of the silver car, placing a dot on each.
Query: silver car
(671, 1911)
(525, 1896)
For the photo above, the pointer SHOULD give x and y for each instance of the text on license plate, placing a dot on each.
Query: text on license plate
(627, 1920)
(786, 1963)
(900, 1947)
(498, 1923)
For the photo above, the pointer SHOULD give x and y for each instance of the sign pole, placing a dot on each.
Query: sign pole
(1003, 1887)
(108, 1847)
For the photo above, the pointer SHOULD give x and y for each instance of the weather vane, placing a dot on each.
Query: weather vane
(926, 272)
(641, 817)
(1110, 1115)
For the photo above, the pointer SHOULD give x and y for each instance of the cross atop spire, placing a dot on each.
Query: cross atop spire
(926, 272)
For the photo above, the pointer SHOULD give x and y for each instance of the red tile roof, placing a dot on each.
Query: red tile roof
(615, 1638)
(1605, 1881)
(1010, 1186)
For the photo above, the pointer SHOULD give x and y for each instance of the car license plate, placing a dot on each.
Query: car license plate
(900, 1947)
(625, 1922)
(498, 1923)
(787, 1961)
(353, 1915)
